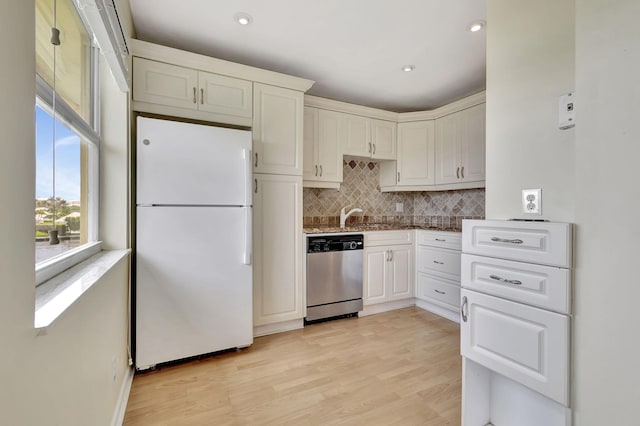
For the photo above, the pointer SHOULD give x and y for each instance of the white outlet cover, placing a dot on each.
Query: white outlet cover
(532, 201)
(399, 207)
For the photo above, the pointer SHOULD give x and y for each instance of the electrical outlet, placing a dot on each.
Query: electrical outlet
(399, 207)
(532, 201)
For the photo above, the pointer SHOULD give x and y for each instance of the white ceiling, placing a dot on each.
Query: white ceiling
(353, 49)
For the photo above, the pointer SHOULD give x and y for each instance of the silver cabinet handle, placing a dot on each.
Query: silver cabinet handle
(256, 160)
(255, 181)
(386, 255)
(398, 177)
(202, 96)
(440, 292)
(503, 240)
(320, 170)
(463, 309)
(440, 239)
(316, 170)
(458, 173)
(504, 280)
(374, 148)
(438, 263)
(462, 172)
(390, 255)
(195, 101)
(369, 147)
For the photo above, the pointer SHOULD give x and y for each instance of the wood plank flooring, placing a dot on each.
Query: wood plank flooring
(396, 368)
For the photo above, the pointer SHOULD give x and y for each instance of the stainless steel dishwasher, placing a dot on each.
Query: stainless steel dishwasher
(334, 275)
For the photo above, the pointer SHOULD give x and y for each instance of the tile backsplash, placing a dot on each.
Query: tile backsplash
(360, 188)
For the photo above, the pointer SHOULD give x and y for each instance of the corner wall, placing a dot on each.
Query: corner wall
(530, 63)
(65, 376)
(606, 336)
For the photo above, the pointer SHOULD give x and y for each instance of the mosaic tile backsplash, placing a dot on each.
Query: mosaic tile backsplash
(360, 188)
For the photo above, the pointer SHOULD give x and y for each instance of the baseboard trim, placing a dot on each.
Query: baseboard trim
(438, 310)
(279, 327)
(123, 399)
(378, 308)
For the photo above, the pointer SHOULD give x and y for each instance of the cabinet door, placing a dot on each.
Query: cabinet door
(310, 143)
(225, 95)
(164, 84)
(277, 130)
(523, 343)
(330, 141)
(277, 273)
(401, 273)
(416, 150)
(472, 144)
(383, 138)
(376, 266)
(447, 148)
(357, 136)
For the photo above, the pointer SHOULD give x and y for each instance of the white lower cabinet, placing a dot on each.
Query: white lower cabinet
(516, 323)
(387, 273)
(527, 344)
(277, 249)
(438, 272)
(388, 267)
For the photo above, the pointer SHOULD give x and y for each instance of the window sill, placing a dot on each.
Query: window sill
(56, 295)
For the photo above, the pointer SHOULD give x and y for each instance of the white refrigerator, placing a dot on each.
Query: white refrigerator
(193, 287)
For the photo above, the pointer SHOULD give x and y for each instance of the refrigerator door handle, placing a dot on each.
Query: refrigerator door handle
(246, 153)
(246, 256)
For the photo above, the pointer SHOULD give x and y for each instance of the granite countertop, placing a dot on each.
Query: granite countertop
(327, 229)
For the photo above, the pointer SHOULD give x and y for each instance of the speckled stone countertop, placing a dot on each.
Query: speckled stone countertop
(327, 229)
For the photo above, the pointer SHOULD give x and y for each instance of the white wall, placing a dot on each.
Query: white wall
(607, 338)
(536, 51)
(530, 63)
(64, 377)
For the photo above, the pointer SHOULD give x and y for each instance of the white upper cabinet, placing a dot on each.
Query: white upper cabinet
(277, 130)
(185, 92)
(368, 137)
(460, 146)
(323, 144)
(416, 161)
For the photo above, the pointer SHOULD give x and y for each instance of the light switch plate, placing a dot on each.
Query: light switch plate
(532, 201)
(399, 207)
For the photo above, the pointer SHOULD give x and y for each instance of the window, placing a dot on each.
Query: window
(67, 139)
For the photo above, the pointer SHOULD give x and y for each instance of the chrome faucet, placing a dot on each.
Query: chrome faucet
(344, 216)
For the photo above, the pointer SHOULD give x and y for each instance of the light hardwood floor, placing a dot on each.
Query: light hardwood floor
(396, 368)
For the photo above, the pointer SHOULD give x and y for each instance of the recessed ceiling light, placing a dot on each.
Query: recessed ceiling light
(408, 68)
(476, 26)
(243, 18)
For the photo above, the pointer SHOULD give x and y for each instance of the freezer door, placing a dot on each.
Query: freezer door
(193, 284)
(190, 164)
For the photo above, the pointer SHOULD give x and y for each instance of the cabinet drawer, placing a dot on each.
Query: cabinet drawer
(439, 261)
(436, 289)
(544, 243)
(523, 343)
(387, 238)
(542, 286)
(449, 240)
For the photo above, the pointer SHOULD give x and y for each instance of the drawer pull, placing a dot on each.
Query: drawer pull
(463, 309)
(503, 240)
(438, 263)
(440, 292)
(504, 280)
(440, 239)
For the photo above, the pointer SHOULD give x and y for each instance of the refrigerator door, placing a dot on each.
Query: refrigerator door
(193, 283)
(191, 164)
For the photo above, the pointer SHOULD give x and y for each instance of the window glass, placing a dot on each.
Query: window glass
(66, 182)
(72, 57)
(67, 170)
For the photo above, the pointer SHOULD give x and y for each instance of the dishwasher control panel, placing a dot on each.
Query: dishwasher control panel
(335, 243)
